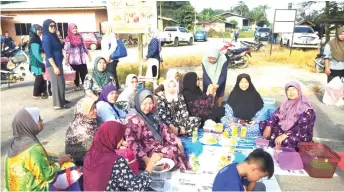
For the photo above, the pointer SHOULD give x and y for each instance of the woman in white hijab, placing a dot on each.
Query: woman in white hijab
(172, 110)
(127, 98)
(174, 74)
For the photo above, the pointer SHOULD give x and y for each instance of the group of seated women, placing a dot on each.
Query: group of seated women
(150, 127)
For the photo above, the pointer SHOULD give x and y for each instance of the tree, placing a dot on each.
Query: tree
(241, 8)
(234, 22)
(209, 14)
(257, 15)
(264, 8)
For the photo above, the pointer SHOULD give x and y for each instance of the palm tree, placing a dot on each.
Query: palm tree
(257, 15)
(241, 9)
(264, 8)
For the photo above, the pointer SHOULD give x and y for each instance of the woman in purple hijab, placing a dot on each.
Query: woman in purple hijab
(106, 105)
(293, 122)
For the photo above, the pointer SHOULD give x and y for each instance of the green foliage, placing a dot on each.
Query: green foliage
(234, 22)
(257, 15)
(209, 14)
(241, 8)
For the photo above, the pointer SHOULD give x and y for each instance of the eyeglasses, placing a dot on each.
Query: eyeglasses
(52, 26)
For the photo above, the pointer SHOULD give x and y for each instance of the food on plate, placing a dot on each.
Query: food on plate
(211, 140)
(219, 127)
(194, 162)
(161, 167)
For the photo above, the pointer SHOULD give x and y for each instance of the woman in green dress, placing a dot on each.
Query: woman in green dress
(27, 167)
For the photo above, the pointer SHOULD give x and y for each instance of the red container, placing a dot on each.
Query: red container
(318, 159)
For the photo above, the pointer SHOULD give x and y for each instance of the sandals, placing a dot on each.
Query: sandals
(77, 88)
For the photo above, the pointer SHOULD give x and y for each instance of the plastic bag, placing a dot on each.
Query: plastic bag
(334, 92)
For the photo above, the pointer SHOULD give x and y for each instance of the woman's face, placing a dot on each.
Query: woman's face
(177, 76)
(212, 60)
(39, 31)
(147, 105)
(134, 83)
(292, 93)
(244, 84)
(112, 97)
(40, 124)
(75, 30)
(52, 27)
(198, 82)
(101, 65)
(341, 36)
(171, 89)
(93, 112)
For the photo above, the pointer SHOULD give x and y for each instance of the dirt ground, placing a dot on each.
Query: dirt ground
(269, 81)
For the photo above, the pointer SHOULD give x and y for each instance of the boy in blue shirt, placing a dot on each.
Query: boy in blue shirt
(244, 176)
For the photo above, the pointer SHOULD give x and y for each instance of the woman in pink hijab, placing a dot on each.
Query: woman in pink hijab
(76, 52)
(293, 122)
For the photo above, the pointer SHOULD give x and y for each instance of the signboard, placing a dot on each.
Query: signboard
(132, 16)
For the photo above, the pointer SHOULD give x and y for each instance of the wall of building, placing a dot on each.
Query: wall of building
(87, 20)
(217, 26)
(238, 19)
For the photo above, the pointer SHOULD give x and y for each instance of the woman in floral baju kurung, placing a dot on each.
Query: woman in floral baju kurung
(172, 110)
(145, 135)
(293, 122)
(27, 167)
(244, 107)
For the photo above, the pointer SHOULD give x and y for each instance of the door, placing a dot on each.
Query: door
(182, 34)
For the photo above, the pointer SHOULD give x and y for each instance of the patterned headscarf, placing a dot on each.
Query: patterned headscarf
(290, 110)
(33, 37)
(74, 39)
(101, 77)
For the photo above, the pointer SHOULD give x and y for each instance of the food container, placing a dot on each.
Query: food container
(318, 159)
(262, 143)
(287, 158)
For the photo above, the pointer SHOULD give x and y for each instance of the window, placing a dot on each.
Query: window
(22, 28)
(170, 29)
(303, 30)
(63, 28)
(264, 30)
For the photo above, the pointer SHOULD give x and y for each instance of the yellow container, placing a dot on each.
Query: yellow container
(225, 133)
(243, 132)
(235, 131)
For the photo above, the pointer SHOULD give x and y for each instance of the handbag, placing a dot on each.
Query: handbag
(120, 52)
(130, 157)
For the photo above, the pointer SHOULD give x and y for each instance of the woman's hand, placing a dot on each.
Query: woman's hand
(327, 71)
(173, 129)
(64, 159)
(252, 122)
(280, 139)
(152, 161)
(182, 131)
(267, 132)
(56, 71)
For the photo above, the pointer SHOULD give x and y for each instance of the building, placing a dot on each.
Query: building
(242, 21)
(165, 21)
(17, 18)
(217, 24)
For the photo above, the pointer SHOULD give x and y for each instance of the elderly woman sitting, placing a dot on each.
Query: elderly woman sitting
(100, 77)
(293, 121)
(106, 105)
(145, 135)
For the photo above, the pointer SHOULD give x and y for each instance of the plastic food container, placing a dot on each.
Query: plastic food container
(288, 158)
(262, 143)
(318, 159)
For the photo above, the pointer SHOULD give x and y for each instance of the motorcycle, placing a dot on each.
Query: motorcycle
(130, 41)
(255, 46)
(319, 61)
(20, 60)
(237, 57)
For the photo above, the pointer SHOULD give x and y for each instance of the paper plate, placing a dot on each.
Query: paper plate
(167, 161)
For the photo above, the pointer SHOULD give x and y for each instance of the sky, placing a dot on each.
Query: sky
(199, 5)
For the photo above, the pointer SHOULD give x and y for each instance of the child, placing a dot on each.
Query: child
(243, 176)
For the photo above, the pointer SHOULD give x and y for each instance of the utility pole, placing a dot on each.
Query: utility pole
(195, 21)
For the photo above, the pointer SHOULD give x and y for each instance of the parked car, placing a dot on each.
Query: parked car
(92, 40)
(176, 35)
(304, 37)
(262, 34)
(201, 35)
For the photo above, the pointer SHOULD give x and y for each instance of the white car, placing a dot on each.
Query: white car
(176, 35)
(304, 37)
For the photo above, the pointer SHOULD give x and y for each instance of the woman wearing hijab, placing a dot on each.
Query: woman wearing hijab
(172, 110)
(54, 56)
(145, 135)
(80, 132)
(95, 81)
(200, 104)
(106, 105)
(293, 122)
(109, 45)
(154, 48)
(244, 107)
(36, 62)
(127, 97)
(214, 66)
(334, 56)
(27, 167)
(171, 73)
(75, 54)
(104, 170)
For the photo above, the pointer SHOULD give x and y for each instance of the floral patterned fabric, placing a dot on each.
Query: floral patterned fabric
(30, 170)
(301, 131)
(79, 134)
(176, 113)
(123, 178)
(201, 108)
(140, 140)
(252, 130)
(90, 84)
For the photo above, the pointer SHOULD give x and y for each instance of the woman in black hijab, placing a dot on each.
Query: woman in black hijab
(244, 107)
(199, 104)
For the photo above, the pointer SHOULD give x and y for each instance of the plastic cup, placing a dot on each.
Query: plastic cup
(235, 131)
(243, 132)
